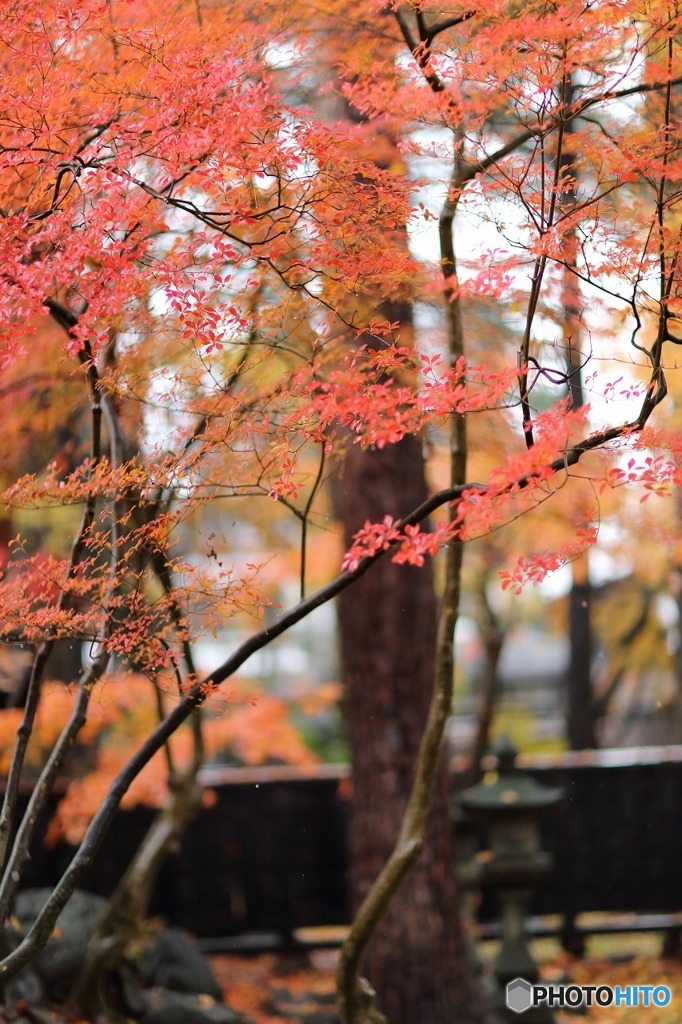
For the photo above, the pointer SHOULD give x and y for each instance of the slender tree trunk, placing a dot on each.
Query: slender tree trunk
(493, 641)
(128, 906)
(417, 960)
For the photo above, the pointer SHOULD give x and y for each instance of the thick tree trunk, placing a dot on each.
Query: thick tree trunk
(581, 725)
(417, 961)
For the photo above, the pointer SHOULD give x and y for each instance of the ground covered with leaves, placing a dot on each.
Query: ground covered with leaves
(299, 988)
(296, 988)
(640, 970)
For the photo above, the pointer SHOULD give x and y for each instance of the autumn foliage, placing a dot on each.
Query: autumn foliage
(246, 726)
(205, 211)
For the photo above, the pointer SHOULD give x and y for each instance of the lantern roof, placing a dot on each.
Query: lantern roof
(507, 788)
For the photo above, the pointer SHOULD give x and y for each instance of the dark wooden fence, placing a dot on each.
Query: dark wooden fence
(617, 836)
(268, 857)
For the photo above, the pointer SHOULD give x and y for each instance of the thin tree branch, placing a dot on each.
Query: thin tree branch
(43, 787)
(40, 931)
(431, 31)
(19, 854)
(40, 661)
(304, 519)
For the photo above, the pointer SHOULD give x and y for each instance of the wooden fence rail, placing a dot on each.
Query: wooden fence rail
(268, 857)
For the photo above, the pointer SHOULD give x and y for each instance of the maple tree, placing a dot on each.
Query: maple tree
(197, 263)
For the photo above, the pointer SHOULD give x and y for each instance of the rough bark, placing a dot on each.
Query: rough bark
(581, 718)
(416, 962)
(581, 733)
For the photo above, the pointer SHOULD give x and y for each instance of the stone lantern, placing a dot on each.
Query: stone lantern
(509, 803)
